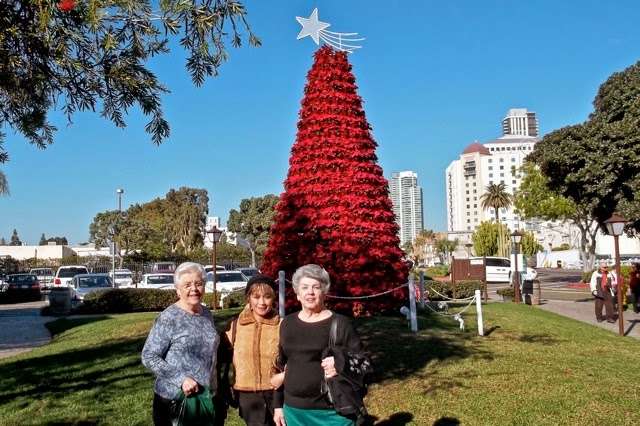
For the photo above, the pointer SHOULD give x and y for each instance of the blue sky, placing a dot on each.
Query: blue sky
(434, 77)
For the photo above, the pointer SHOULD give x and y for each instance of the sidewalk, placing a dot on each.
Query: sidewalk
(584, 311)
(22, 328)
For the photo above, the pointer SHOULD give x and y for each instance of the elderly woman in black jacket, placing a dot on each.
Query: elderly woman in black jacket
(310, 363)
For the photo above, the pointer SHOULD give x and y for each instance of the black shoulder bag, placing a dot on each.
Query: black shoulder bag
(346, 390)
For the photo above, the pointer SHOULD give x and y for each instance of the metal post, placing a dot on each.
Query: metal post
(215, 294)
(281, 284)
(412, 305)
(479, 312)
(421, 286)
(516, 284)
(619, 279)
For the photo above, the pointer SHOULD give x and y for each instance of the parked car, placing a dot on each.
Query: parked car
(226, 282)
(248, 272)
(45, 277)
(157, 281)
(498, 270)
(209, 268)
(83, 284)
(65, 274)
(23, 287)
(163, 268)
(123, 278)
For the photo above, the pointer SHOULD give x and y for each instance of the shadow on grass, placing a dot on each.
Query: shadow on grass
(397, 353)
(542, 339)
(58, 375)
(397, 419)
(446, 421)
(63, 324)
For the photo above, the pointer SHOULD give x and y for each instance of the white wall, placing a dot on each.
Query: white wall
(41, 252)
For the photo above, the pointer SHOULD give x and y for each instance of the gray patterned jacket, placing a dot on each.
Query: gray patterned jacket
(181, 345)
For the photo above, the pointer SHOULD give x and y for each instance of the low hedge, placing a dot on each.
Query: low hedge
(463, 289)
(125, 300)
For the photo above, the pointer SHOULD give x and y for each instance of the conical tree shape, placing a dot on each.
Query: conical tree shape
(335, 210)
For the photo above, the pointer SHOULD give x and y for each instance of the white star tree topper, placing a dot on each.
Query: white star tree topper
(317, 30)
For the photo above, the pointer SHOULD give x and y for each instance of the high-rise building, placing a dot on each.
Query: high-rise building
(481, 164)
(406, 197)
(520, 122)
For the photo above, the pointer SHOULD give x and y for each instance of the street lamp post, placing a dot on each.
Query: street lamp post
(119, 191)
(468, 246)
(615, 225)
(215, 238)
(516, 237)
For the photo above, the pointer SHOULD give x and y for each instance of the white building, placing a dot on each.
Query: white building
(214, 221)
(520, 122)
(479, 165)
(406, 197)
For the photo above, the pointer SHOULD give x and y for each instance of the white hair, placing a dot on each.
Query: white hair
(188, 267)
(315, 272)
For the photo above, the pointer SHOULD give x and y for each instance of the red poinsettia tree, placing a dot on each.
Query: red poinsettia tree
(335, 210)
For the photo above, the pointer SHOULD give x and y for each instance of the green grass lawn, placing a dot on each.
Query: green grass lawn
(534, 368)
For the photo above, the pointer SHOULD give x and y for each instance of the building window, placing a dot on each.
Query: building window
(468, 214)
(468, 220)
(475, 198)
(467, 198)
(490, 175)
(475, 220)
(468, 206)
(490, 167)
(474, 191)
(490, 182)
(491, 160)
(502, 160)
(513, 182)
(468, 228)
(502, 175)
(501, 167)
(501, 181)
(467, 191)
(475, 206)
(513, 159)
(466, 184)
(474, 184)
(508, 148)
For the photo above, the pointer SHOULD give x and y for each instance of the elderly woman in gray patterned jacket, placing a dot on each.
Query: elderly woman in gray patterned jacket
(181, 347)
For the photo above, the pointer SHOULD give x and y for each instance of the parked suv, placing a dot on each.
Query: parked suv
(499, 269)
(163, 268)
(123, 278)
(45, 277)
(65, 274)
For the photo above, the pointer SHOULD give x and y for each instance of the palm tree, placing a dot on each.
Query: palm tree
(4, 184)
(496, 197)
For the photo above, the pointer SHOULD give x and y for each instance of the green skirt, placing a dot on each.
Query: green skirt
(307, 417)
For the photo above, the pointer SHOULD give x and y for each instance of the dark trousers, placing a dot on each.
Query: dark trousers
(256, 408)
(635, 293)
(604, 299)
(163, 410)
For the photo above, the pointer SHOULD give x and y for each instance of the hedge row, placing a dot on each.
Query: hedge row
(126, 300)
(462, 289)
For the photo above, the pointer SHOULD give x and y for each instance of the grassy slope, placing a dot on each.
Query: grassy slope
(534, 368)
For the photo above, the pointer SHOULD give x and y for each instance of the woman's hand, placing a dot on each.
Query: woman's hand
(277, 380)
(189, 386)
(329, 366)
(278, 417)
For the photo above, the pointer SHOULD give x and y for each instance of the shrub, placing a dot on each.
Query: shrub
(506, 291)
(125, 300)
(437, 271)
(234, 300)
(463, 289)
(586, 276)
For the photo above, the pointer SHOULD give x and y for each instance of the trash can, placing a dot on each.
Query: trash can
(60, 300)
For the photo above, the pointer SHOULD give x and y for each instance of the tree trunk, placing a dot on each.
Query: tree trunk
(587, 244)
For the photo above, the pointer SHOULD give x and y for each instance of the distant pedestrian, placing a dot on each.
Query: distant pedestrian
(603, 286)
(181, 351)
(634, 285)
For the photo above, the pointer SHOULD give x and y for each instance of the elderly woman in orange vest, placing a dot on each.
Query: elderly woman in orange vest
(253, 337)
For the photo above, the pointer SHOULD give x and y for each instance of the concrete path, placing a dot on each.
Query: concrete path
(584, 311)
(22, 328)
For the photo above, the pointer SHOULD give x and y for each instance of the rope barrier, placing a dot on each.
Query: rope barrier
(452, 315)
(449, 298)
(366, 297)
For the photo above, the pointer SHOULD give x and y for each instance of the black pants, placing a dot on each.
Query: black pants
(256, 408)
(163, 410)
(604, 299)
